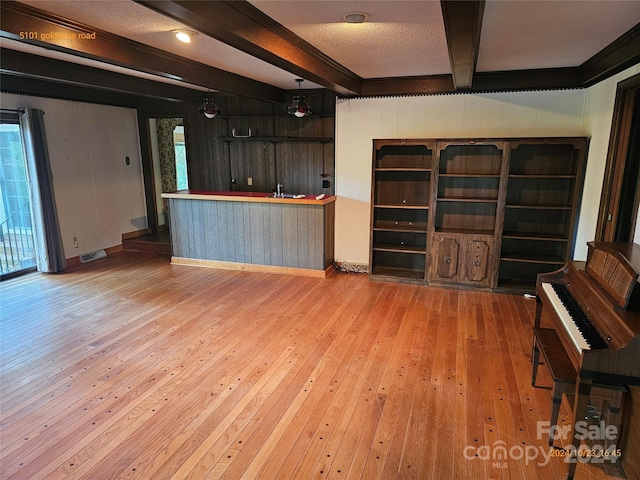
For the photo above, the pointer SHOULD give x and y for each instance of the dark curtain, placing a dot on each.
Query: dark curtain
(49, 250)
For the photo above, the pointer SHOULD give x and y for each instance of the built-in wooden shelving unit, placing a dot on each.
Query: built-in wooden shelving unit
(489, 213)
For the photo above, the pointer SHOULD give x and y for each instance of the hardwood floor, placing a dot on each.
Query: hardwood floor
(129, 367)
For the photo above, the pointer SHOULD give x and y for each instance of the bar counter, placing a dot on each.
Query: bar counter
(252, 231)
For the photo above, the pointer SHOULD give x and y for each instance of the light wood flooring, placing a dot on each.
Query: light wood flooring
(131, 368)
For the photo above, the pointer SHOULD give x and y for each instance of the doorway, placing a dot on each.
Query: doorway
(628, 202)
(621, 190)
(169, 160)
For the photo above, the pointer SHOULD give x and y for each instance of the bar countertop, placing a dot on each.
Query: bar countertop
(263, 197)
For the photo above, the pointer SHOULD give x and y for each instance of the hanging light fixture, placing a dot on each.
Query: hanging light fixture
(209, 108)
(299, 107)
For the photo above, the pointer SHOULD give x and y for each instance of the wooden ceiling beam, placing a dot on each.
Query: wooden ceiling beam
(483, 82)
(462, 25)
(420, 85)
(522, 80)
(29, 66)
(26, 24)
(615, 57)
(242, 26)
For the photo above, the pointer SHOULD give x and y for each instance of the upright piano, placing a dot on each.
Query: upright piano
(588, 317)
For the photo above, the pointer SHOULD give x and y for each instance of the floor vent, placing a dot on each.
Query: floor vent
(87, 257)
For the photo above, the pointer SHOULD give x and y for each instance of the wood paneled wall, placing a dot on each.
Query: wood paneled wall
(217, 163)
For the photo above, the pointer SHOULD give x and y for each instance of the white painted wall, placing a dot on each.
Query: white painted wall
(98, 196)
(522, 114)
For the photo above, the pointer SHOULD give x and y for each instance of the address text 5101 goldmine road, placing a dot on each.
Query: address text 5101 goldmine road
(44, 36)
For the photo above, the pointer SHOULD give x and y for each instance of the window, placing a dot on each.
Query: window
(182, 180)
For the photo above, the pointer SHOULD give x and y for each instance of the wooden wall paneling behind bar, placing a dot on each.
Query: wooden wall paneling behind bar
(205, 173)
(299, 166)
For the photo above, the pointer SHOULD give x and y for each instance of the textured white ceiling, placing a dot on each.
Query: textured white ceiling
(518, 35)
(401, 37)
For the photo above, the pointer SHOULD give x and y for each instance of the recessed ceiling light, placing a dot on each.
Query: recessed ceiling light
(185, 36)
(356, 17)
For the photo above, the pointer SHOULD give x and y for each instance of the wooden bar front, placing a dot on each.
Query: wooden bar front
(252, 231)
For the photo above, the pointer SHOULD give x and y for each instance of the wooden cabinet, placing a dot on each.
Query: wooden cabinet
(475, 268)
(400, 209)
(544, 187)
(490, 213)
(461, 259)
(444, 261)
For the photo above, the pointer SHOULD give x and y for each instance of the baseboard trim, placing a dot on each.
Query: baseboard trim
(251, 267)
(114, 249)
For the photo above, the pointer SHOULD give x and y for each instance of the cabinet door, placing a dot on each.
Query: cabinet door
(475, 258)
(444, 264)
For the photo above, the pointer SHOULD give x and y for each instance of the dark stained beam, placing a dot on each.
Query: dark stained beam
(462, 24)
(422, 85)
(242, 26)
(28, 66)
(521, 80)
(17, 20)
(483, 82)
(617, 56)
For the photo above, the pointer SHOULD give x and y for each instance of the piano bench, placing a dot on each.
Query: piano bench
(562, 371)
(564, 376)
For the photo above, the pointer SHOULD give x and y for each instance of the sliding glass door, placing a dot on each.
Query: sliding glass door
(17, 250)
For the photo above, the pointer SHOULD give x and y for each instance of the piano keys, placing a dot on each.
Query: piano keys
(594, 332)
(581, 331)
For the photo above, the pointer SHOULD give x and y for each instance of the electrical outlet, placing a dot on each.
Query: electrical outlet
(75, 242)
(250, 181)
(326, 184)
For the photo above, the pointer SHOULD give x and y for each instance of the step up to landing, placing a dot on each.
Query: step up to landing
(149, 243)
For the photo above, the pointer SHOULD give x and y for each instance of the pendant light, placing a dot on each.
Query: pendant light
(299, 107)
(209, 108)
